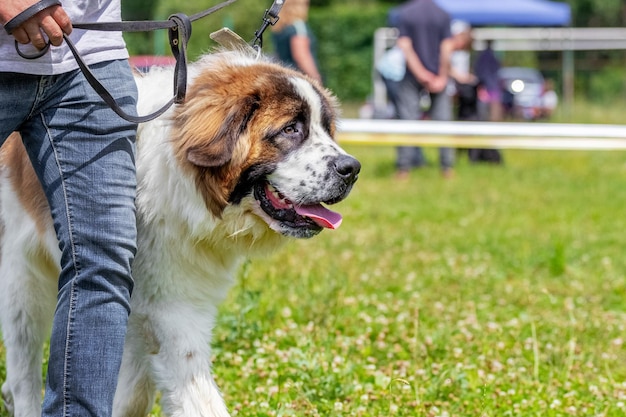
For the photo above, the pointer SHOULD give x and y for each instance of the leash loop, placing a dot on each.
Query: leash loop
(104, 93)
(34, 55)
(179, 37)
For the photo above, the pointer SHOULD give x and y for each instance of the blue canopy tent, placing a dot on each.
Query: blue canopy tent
(528, 13)
(508, 12)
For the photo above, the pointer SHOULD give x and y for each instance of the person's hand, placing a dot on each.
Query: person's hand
(466, 79)
(53, 22)
(413, 62)
(425, 77)
(438, 84)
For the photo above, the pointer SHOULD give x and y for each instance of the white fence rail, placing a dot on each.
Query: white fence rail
(482, 134)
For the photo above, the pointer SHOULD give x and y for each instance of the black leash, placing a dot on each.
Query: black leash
(269, 18)
(179, 30)
(179, 33)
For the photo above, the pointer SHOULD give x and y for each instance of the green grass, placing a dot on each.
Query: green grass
(583, 111)
(500, 292)
(497, 293)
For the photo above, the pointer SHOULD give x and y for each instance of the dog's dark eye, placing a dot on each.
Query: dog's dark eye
(290, 130)
(291, 134)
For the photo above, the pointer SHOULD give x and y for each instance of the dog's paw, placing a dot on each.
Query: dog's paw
(7, 399)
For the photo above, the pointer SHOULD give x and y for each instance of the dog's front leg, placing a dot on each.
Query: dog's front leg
(182, 366)
(195, 394)
(135, 389)
(27, 298)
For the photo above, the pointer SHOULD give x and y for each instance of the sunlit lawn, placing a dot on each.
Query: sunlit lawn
(497, 293)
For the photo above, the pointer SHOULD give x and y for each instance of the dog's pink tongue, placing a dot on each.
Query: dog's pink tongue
(320, 215)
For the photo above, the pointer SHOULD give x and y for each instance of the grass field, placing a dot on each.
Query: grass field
(499, 292)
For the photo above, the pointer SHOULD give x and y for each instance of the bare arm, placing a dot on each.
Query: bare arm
(441, 80)
(413, 62)
(52, 21)
(446, 49)
(301, 52)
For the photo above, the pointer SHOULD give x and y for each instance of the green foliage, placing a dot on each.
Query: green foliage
(243, 16)
(607, 84)
(139, 43)
(518, 59)
(345, 40)
(598, 13)
(139, 9)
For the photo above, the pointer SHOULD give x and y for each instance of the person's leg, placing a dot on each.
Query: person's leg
(408, 108)
(83, 154)
(441, 110)
(18, 92)
(392, 87)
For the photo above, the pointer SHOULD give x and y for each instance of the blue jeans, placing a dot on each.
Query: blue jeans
(408, 108)
(84, 156)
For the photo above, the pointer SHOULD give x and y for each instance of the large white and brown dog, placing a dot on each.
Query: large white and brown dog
(245, 163)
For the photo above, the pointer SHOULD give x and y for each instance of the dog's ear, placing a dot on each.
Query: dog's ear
(208, 135)
(222, 133)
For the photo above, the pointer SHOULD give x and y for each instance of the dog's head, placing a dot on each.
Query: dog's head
(254, 131)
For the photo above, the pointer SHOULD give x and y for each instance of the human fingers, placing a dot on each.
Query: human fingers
(52, 21)
(426, 78)
(435, 87)
(34, 34)
(20, 35)
(438, 84)
(52, 29)
(62, 19)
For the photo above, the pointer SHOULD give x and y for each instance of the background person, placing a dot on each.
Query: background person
(83, 154)
(491, 98)
(460, 66)
(463, 82)
(486, 69)
(424, 37)
(392, 67)
(293, 39)
(549, 99)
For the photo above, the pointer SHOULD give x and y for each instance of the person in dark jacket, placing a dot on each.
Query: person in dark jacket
(425, 40)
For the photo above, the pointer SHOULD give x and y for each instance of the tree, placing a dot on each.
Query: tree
(139, 9)
(598, 13)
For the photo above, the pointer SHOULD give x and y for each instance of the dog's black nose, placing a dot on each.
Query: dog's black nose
(348, 168)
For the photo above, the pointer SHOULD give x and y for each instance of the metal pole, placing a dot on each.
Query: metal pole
(568, 75)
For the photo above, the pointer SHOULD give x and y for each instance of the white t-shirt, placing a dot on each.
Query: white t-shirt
(460, 61)
(93, 46)
(550, 100)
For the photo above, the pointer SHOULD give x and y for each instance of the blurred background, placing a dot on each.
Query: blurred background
(345, 31)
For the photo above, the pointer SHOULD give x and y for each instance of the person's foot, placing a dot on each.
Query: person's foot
(402, 174)
(447, 173)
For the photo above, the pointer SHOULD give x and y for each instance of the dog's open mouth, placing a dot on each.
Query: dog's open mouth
(310, 216)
